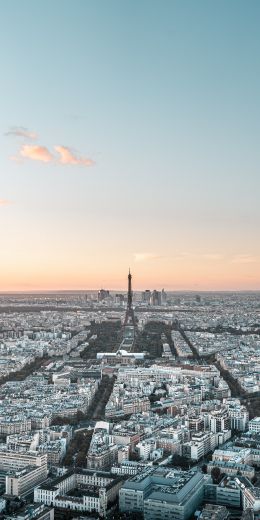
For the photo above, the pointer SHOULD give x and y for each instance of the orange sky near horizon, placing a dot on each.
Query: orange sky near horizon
(240, 273)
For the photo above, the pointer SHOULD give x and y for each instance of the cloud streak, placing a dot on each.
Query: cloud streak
(212, 256)
(244, 259)
(21, 131)
(143, 257)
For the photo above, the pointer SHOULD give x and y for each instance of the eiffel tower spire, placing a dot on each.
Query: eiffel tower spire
(129, 315)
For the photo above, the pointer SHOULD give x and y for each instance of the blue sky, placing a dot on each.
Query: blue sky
(162, 98)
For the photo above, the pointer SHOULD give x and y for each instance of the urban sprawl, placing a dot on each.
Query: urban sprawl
(132, 405)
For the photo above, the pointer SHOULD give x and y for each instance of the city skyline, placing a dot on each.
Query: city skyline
(129, 136)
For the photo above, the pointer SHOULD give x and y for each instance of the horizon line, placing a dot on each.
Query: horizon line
(48, 291)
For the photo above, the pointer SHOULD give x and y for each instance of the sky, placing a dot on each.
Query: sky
(129, 137)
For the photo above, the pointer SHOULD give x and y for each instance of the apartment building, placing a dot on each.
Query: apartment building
(15, 460)
(10, 425)
(254, 425)
(200, 445)
(19, 482)
(102, 457)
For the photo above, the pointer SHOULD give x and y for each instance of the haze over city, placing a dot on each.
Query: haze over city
(129, 137)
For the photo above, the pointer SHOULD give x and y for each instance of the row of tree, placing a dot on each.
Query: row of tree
(150, 339)
(27, 370)
(78, 449)
(108, 339)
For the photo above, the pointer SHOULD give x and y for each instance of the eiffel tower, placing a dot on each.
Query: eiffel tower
(129, 322)
(129, 315)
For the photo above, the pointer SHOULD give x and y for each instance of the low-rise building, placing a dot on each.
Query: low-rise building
(232, 468)
(214, 512)
(33, 511)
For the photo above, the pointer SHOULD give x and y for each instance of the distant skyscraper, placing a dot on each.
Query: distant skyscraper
(102, 294)
(146, 295)
(156, 298)
(119, 298)
(164, 296)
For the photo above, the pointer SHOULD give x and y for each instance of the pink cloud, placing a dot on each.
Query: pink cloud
(36, 153)
(67, 156)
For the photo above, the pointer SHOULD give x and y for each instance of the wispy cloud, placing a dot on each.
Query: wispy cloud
(68, 156)
(212, 256)
(21, 131)
(36, 153)
(143, 257)
(244, 258)
(184, 255)
(5, 202)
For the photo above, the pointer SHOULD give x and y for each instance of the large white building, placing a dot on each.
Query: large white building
(160, 493)
(97, 490)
